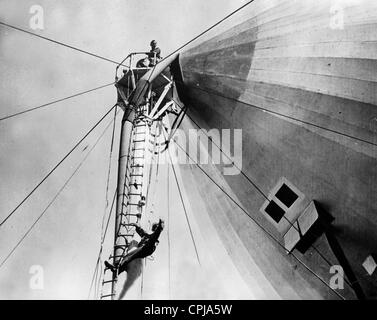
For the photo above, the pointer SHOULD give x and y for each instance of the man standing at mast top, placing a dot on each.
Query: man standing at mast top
(155, 54)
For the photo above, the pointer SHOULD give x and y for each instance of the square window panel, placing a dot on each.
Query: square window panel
(286, 195)
(275, 211)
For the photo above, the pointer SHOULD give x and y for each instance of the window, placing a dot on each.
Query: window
(286, 195)
(275, 211)
(284, 204)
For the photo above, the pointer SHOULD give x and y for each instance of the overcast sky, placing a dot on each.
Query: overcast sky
(33, 71)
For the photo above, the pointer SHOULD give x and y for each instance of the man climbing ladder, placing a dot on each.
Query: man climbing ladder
(145, 247)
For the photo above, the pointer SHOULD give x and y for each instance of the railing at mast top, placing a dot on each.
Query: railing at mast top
(129, 66)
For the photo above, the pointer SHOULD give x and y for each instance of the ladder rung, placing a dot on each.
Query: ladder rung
(140, 132)
(136, 141)
(136, 175)
(126, 224)
(125, 235)
(108, 281)
(130, 204)
(138, 215)
(117, 256)
(137, 166)
(133, 184)
(137, 149)
(134, 194)
(120, 245)
(108, 295)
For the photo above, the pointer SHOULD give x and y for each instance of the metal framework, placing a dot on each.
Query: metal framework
(137, 147)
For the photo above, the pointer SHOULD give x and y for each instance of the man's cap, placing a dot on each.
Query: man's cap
(153, 42)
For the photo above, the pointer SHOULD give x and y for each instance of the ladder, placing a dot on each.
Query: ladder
(132, 193)
(142, 112)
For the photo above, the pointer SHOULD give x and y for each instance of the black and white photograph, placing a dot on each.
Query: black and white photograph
(188, 150)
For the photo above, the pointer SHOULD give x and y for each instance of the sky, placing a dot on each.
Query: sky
(65, 242)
